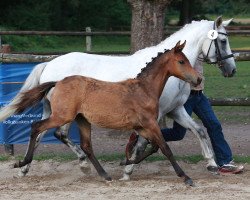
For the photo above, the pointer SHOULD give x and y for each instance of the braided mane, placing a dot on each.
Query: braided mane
(145, 70)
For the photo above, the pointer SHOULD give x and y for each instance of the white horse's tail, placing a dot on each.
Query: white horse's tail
(31, 82)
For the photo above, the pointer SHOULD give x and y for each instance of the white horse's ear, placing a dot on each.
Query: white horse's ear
(218, 21)
(226, 23)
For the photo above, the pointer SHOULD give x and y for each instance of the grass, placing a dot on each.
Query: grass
(45, 44)
(239, 42)
(66, 157)
(218, 86)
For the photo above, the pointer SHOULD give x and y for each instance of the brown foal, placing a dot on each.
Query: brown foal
(126, 105)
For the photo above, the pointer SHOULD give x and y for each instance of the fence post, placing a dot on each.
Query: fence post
(88, 40)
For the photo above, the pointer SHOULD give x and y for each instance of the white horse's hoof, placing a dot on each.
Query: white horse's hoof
(125, 178)
(21, 174)
(84, 166)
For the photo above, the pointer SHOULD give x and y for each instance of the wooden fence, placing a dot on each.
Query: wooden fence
(231, 30)
(24, 58)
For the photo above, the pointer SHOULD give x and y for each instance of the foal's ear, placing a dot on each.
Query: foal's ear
(178, 47)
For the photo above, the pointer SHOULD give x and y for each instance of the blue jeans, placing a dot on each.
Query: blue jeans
(199, 104)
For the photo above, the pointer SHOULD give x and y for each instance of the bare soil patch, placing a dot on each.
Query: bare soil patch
(156, 180)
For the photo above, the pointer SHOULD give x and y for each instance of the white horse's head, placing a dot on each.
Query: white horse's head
(216, 48)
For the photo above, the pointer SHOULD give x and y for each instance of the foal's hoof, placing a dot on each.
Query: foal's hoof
(213, 169)
(109, 179)
(189, 182)
(17, 164)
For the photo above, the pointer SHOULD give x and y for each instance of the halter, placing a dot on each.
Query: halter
(219, 57)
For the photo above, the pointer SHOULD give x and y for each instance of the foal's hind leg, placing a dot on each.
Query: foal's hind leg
(36, 128)
(86, 145)
(62, 134)
(46, 113)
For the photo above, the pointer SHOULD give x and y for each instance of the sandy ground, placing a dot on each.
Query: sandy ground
(157, 180)
(109, 142)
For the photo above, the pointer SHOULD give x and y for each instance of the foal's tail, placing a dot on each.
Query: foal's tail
(32, 97)
(31, 82)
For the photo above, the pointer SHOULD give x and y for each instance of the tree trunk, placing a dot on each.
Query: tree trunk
(147, 27)
(184, 14)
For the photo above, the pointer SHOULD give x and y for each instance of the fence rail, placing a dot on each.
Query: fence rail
(24, 58)
(67, 33)
(98, 33)
(230, 101)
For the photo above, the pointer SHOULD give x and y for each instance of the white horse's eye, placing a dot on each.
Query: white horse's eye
(223, 41)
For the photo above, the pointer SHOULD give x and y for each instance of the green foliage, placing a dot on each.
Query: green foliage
(99, 14)
(226, 7)
(64, 14)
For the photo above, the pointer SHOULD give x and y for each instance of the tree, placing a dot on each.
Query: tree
(191, 10)
(186, 13)
(147, 26)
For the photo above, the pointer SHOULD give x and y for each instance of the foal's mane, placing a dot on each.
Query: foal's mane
(149, 66)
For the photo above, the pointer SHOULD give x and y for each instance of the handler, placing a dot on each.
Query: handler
(200, 105)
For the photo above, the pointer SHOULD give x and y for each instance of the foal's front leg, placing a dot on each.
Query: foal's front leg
(152, 132)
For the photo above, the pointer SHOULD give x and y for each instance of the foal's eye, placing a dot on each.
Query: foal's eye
(223, 41)
(181, 62)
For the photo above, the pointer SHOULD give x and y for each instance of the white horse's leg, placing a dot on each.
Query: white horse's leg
(138, 149)
(181, 117)
(46, 113)
(62, 134)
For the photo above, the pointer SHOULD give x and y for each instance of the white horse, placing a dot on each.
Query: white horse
(114, 68)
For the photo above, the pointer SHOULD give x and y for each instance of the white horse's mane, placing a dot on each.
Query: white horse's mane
(197, 27)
